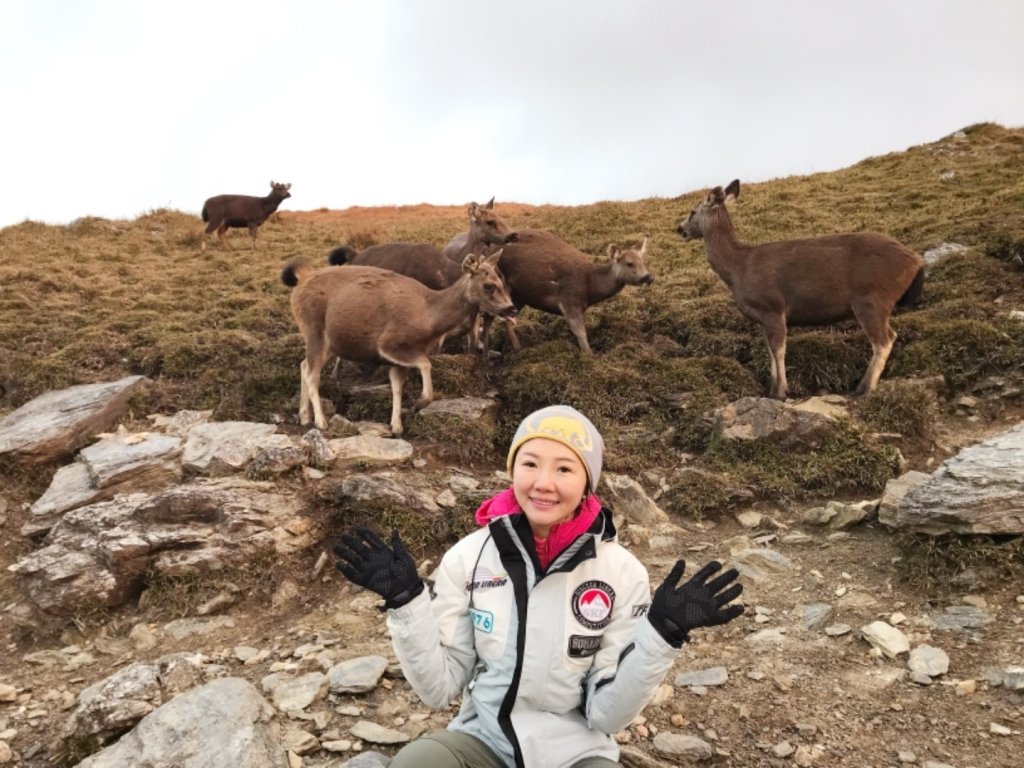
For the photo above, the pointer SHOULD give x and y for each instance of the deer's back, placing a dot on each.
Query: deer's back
(816, 280)
(543, 271)
(420, 261)
(353, 306)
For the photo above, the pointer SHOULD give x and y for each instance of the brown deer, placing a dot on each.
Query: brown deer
(429, 265)
(223, 211)
(485, 228)
(372, 315)
(545, 272)
(811, 281)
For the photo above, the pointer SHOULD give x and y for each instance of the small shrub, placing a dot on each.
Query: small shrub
(1006, 248)
(909, 409)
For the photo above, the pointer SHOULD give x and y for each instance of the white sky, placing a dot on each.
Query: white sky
(116, 107)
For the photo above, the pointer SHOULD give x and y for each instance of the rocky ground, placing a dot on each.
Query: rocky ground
(795, 681)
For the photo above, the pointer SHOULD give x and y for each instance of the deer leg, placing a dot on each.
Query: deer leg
(397, 375)
(484, 344)
(579, 330)
(220, 235)
(252, 235)
(882, 337)
(473, 335)
(427, 396)
(775, 336)
(304, 399)
(309, 382)
(510, 331)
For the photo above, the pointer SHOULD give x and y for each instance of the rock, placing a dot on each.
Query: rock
(886, 638)
(959, 617)
(678, 745)
(112, 706)
(462, 408)
(359, 675)
(761, 418)
(760, 564)
(58, 423)
(814, 615)
(101, 553)
(224, 447)
(378, 734)
(370, 448)
(978, 491)
(836, 515)
(227, 722)
(928, 660)
(626, 496)
(291, 693)
(704, 677)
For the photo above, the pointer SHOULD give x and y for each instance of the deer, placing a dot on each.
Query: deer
(429, 265)
(372, 315)
(812, 281)
(486, 228)
(545, 272)
(223, 211)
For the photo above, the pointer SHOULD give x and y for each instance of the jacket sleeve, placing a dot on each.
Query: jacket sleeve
(632, 662)
(433, 638)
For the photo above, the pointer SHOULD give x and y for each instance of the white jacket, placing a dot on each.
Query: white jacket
(548, 665)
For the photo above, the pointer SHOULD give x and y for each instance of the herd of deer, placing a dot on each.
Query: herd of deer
(394, 303)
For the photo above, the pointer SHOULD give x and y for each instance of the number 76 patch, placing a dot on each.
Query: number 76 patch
(482, 620)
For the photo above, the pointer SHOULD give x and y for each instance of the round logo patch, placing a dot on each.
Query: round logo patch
(592, 604)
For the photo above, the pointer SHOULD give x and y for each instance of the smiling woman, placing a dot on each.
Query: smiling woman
(593, 645)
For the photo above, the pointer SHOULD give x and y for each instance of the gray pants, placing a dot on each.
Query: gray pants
(451, 749)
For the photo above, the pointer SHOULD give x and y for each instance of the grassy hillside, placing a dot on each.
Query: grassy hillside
(99, 299)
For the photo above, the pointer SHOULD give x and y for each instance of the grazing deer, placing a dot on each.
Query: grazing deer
(545, 272)
(811, 281)
(223, 211)
(372, 315)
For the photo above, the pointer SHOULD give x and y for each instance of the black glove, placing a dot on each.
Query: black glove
(698, 603)
(389, 571)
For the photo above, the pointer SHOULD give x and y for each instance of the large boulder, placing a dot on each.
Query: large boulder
(978, 491)
(58, 423)
(225, 722)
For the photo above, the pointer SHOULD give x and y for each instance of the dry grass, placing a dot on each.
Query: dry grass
(99, 299)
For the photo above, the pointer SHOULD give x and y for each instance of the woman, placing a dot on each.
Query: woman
(541, 619)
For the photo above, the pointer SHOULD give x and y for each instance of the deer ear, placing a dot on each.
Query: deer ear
(643, 247)
(493, 258)
(471, 263)
(288, 185)
(271, 183)
(614, 253)
(474, 210)
(490, 204)
(732, 191)
(716, 196)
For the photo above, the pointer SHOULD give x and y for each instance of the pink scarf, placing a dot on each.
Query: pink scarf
(562, 534)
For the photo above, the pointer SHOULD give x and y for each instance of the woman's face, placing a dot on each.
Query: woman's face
(549, 481)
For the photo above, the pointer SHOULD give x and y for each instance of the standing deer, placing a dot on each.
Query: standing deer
(372, 315)
(223, 211)
(545, 272)
(811, 281)
(485, 228)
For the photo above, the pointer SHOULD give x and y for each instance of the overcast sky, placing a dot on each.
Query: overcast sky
(116, 107)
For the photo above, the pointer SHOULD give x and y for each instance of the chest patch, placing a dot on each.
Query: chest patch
(581, 646)
(483, 578)
(592, 604)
